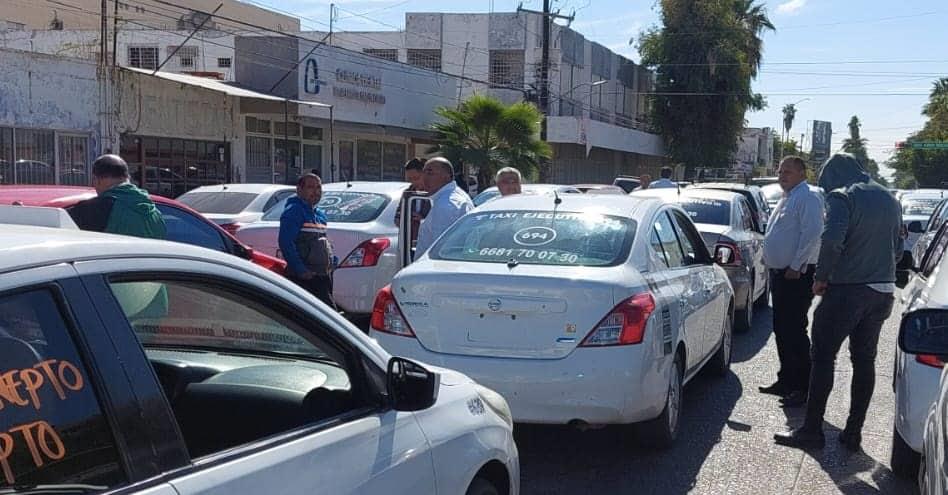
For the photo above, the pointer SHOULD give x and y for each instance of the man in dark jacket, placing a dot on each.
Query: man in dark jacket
(120, 207)
(303, 240)
(855, 275)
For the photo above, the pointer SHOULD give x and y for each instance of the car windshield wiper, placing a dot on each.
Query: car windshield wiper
(52, 488)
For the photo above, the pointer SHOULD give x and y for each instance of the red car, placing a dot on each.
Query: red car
(183, 224)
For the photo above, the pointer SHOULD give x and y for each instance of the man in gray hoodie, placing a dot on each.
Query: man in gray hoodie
(855, 275)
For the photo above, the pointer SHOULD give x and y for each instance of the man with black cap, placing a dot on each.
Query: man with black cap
(120, 207)
(855, 275)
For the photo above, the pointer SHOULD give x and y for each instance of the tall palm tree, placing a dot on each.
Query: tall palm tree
(789, 113)
(754, 21)
(854, 143)
(488, 135)
(938, 100)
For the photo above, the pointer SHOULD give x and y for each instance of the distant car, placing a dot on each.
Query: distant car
(362, 232)
(730, 231)
(27, 172)
(921, 354)
(763, 181)
(156, 368)
(184, 224)
(233, 205)
(599, 189)
(627, 183)
(917, 209)
(549, 189)
(773, 193)
(935, 221)
(755, 198)
(588, 311)
(933, 467)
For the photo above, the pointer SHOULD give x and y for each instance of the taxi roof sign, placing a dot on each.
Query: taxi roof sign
(37, 216)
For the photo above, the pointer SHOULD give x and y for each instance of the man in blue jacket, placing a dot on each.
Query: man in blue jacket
(303, 240)
(855, 275)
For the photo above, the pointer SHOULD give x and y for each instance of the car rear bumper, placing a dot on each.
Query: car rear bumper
(916, 390)
(608, 385)
(354, 289)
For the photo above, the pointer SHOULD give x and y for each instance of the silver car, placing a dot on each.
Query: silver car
(731, 232)
(932, 473)
(917, 209)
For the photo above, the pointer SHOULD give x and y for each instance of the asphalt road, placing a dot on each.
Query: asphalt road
(725, 445)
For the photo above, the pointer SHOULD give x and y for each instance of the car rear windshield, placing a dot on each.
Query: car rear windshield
(713, 211)
(218, 202)
(342, 207)
(537, 238)
(920, 206)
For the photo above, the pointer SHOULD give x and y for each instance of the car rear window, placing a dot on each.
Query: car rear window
(537, 238)
(920, 206)
(218, 202)
(342, 207)
(713, 211)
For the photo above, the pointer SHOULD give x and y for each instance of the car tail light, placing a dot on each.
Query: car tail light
(930, 360)
(625, 325)
(232, 227)
(386, 317)
(727, 254)
(367, 253)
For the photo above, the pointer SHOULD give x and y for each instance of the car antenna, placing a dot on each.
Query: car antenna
(557, 200)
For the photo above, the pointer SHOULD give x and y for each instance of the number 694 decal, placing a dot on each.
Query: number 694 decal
(535, 236)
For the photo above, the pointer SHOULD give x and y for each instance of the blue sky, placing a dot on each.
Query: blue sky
(875, 59)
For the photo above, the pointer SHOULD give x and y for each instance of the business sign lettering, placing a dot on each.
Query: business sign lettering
(359, 86)
(311, 79)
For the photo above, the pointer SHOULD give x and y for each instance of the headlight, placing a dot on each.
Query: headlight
(496, 403)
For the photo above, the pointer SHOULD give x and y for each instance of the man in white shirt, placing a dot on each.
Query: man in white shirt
(448, 202)
(508, 181)
(665, 182)
(791, 250)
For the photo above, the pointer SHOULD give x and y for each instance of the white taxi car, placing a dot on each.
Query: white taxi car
(577, 309)
(160, 368)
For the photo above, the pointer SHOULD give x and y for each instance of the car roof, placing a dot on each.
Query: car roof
(25, 246)
(671, 195)
(539, 188)
(390, 188)
(242, 188)
(64, 196)
(610, 204)
(725, 185)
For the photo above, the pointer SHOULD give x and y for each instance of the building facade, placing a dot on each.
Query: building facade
(755, 149)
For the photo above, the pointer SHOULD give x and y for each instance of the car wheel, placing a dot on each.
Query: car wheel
(903, 460)
(482, 486)
(720, 364)
(764, 298)
(745, 317)
(662, 431)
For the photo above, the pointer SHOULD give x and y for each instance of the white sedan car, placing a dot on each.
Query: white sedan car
(578, 310)
(161, 368)
(363, 234)
(233, 205)
(916, 373)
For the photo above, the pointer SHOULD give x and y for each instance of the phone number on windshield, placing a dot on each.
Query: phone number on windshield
(530, 254)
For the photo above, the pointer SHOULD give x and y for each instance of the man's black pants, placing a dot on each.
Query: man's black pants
(791, 301)
(320, 286)
(857, 312)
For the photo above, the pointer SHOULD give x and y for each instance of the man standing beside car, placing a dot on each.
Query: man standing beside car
(303, 240)
(120, 207)
(791, 250)
(861, 245)
(448, 202)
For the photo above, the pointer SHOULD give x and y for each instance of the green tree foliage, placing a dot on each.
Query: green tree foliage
(856, 146)
(926, 168)
(486, 134)
(705, 53)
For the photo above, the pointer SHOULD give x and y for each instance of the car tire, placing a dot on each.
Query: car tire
(745, 317)
(902, 459)
(720, 364)
(764, 298)
(661, 432)
(482, 486)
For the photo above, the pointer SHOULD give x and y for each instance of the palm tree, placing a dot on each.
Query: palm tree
(753, 19)
(484, 133)
(854, 143)
(789, 113)
(938, 100)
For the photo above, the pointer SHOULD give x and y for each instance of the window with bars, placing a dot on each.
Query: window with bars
(258, 125)
(143, 57)
(426, 59)
(383, 53)
(223, 62)
(506, 68)
(187, 55)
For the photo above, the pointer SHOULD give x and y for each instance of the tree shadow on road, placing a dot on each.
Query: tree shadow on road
(560, 459)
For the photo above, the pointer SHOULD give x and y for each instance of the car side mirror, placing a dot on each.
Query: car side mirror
(410, 386)
(915, 227)
(924, 332)
(724, 255)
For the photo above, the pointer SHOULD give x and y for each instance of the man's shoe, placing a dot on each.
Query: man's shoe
(796, 398)
(776, 388)
(801, 438)
(851, 440)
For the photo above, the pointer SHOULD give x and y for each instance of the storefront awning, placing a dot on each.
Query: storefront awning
(256, 102)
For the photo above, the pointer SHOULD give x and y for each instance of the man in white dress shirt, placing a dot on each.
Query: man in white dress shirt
(791, 250)
(665, 182)
(448, 202)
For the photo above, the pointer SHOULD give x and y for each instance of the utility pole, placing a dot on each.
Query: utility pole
(332, 16)
(104, 34)
(467, 47)
(544, 97)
